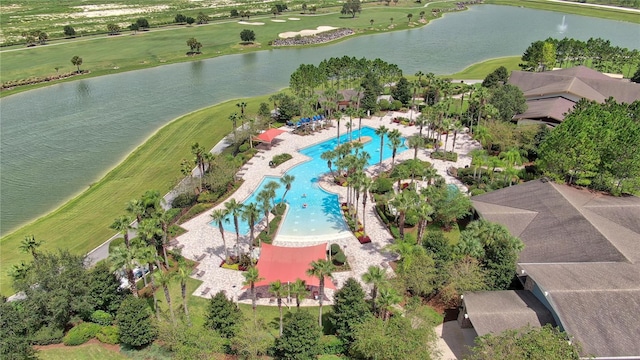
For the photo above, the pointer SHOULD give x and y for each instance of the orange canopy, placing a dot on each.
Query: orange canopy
(290, 263)
(269, 135)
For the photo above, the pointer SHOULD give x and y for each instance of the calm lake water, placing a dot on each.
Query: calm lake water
(56, 141)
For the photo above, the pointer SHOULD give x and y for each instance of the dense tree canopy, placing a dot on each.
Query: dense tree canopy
(597, 145)
(349, 309)
(499, 76)
(509, 100)
(351, 7)
(134, 322)
(223, 315)
(247, 36)
(300, 337)
(402, 91)
(546, 343)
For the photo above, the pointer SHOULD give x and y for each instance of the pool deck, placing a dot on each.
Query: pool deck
(204, 239)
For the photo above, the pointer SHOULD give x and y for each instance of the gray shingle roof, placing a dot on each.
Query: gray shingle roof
(496, 311)
(566, 226)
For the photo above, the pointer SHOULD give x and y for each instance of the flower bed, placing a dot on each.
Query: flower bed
(357, 229)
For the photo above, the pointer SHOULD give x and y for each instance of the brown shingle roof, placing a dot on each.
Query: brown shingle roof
(496, 311)
(553, 108)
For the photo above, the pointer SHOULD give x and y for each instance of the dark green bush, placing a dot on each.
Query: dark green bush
(184, 200)
(81, 333)
(243, 148)
(446, 155)
(280, 158)
(208, 197)
(384, 104)
(339, 259)
(331, 345)
(47, 335)
(382, 185)
(475, 192)
(396, 105)
(102, 317)
(173, 214)
(108, 335)
(196, 210)
(335, 248)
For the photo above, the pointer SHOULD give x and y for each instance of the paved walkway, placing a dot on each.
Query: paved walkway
(203, 239)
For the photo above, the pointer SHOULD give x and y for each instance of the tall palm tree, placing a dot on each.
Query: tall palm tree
(234, 119)
(220, 215)
(424, 212)
(183, 274)
(149, 255)
(381, 131)
(299, 291)
(338, 115)
(404, 201)
(376, 277)
(388, 298)
(30, 245)
(122, 226)
(395, 140)
(421, 121)
(278, 290)
(121, 257)
(199, 152)
(329, 155)
(365, 187)
(406, 250)
(136, 208)
(348, 126)
(250, 214)
(164, 278)
(481, 96)
(164, 219)
(251, 277)
(271, 188)
(321, 269)
(457, 127)
(264, 200)
(286, 180)
(242, 105)
(151, 232)
(361, 113)
(234, 209)
(415, 142)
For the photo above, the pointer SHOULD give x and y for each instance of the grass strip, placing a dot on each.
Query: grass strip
(572, 8)
(479, 71)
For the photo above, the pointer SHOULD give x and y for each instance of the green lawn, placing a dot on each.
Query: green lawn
(482, 69)
(83, 223)
(572, 8)
(82, 352)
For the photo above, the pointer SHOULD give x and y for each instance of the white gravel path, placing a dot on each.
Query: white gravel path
(201, 238)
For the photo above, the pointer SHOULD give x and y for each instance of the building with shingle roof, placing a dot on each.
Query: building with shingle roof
(552, 94)
(581, 262)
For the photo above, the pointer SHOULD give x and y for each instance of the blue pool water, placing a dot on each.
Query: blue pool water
(321, 218)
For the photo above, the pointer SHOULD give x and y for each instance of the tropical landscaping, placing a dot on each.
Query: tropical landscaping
(147, 298)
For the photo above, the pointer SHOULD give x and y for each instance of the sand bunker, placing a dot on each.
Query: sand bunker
(250, 23)
(105, 10)
(294, 19)
(306, 32)
(278, 20)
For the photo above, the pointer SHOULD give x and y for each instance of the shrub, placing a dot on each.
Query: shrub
(382, 185)
(331, 345)
(115, 243)
(243, 148)
(208, 197)
(335, 248)
(47, 335)
(108, 335)
(102, 317)
(280, 158)
(411, 218)
(446, 155)
(339, 259)
(81, 333)
(396, 105)
(475, 192)
(196, 210)
(384, 104)
(184, 200)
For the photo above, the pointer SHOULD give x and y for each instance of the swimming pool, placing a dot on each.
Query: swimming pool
(321, 218)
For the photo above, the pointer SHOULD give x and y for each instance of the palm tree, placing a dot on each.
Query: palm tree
(277, 290)
(265, 205)
(242, 105)
(250, 214)
(388, 298)
(164, 219)
(511, 174)
(121, 257)
(381, 131)
(360, 113)
(424, 212)
(30, 245)
(328, 155)
(403, 202)
(251, 277)
(286, 180)
(483, 136)
(481, 96)
(150, 231)
(220, 215)
(149, 255)
(271, 188)
(512, 156)
(366, 184)
(415, 142)
(199, 151)
(377, 277)
(395, 140)
(164, 278)
(338, 115)
(183, 274)
(321, 269)
(234, 119)
(406, 251)
(136, 208)
(234, 209)
(299, 290)
(457, 127)
(409, 16)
